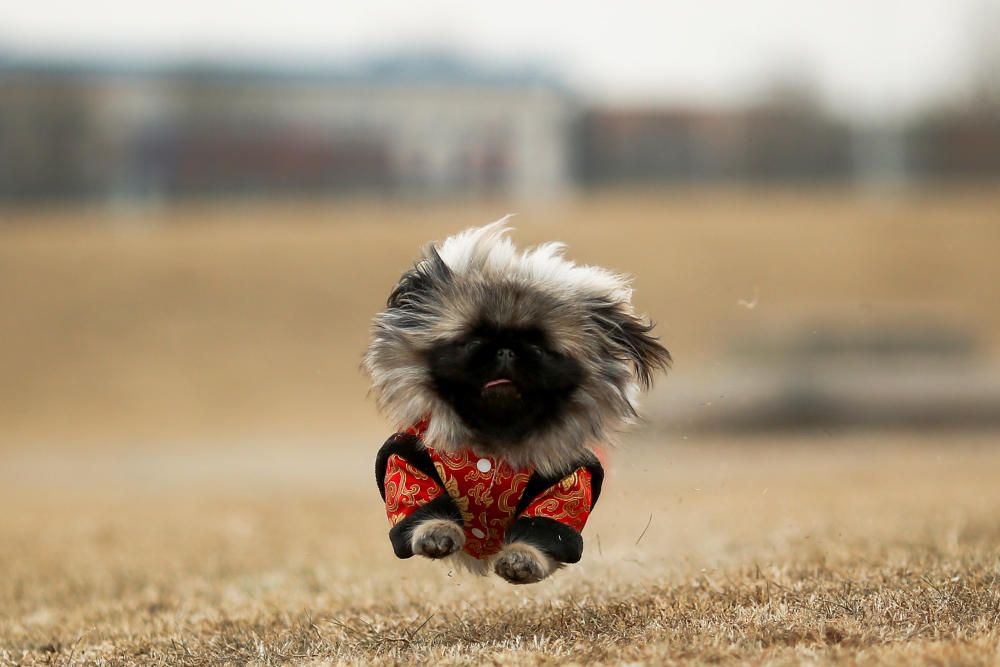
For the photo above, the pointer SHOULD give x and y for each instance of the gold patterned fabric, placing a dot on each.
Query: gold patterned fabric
(487, 492)
(487, 500)
(406, 489)
(569, 501)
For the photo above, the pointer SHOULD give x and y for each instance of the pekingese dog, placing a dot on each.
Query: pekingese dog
(503, 370)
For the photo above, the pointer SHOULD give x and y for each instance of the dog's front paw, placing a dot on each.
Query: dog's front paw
(521, 563)
(437, 538)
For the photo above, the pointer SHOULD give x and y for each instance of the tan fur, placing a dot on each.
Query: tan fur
(521, 563)
(437, 538)
(467, 563)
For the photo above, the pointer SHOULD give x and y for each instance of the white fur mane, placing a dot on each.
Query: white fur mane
(489, 252)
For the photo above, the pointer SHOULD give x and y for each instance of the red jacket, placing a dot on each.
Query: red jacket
(493, 502)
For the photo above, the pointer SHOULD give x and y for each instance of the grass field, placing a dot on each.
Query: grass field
(250, 319)
(863, 550)
(186, 445)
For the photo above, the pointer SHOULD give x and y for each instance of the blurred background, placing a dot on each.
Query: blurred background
(203, 204)
(201, 209)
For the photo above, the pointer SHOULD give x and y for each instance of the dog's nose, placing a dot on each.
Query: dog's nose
(505, 355)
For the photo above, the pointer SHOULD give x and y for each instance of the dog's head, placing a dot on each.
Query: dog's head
(523, 355)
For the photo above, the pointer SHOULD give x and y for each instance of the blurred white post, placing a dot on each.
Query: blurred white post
(879, 156)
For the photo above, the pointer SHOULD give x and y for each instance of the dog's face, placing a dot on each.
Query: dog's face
(524, 355)
(504, 382)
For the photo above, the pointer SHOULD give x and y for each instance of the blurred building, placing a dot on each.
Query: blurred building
(766, 144)
(962, 144)
(430, 125)
(413, 126)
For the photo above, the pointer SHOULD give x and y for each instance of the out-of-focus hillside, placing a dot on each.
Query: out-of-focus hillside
(249, 319)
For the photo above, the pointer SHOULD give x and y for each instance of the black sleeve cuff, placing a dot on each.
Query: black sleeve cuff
(558, 540)
(538, 484)
(409, 448)
(442, 507)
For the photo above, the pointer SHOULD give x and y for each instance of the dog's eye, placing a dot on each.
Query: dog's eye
(473, 345)
(535, 350)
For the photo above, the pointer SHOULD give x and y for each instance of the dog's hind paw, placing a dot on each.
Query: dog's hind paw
(437, 538)
(521, 563)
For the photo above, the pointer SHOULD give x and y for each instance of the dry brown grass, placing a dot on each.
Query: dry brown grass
(862, 550)
(185, 446)
(251, 318)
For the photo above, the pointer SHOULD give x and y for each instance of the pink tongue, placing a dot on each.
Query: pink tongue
(495, 383)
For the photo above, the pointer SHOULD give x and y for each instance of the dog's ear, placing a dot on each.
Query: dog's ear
(411, 294)
(627, 337)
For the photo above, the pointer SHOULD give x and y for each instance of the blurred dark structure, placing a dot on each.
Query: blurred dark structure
(431, 125)
(651, 146)
(409, 125)
(961, 144)
(828, 376)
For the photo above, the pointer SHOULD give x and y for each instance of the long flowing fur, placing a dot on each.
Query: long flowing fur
(479, 274)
